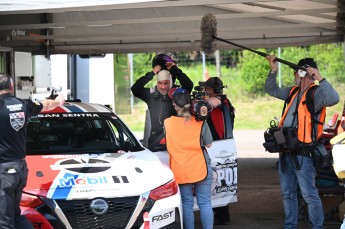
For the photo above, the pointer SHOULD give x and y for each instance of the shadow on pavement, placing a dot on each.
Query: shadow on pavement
(259, 199)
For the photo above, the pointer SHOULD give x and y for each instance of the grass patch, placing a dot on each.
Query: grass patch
(251, 113)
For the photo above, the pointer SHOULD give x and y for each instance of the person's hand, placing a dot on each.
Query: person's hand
(314, 73)
(170, 64)
(156, 69)
(61, 99)
(213, 101)
(273, 63)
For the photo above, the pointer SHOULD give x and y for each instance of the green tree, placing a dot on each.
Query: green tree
(253, 70)
(142, 63)
(330, 60)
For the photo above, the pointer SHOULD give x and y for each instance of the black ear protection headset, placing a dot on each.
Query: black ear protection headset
(217, 88)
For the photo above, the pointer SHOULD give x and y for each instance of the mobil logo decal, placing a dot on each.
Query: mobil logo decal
(71, 181)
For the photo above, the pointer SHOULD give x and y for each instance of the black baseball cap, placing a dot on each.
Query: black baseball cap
(212, 82)
(307, 62)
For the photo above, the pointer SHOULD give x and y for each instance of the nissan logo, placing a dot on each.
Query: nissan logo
(99, 206)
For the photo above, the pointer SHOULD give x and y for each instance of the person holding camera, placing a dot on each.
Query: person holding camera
(164, 65)
(14, 117)
(221, 122)
(302, 125)
(186, 140)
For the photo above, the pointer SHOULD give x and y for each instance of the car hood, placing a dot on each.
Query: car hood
(95, 175)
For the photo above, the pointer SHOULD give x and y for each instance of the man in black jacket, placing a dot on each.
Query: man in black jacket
(14, 116)
(159, 103)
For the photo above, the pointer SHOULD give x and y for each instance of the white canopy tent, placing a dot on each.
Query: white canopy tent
(86, 27)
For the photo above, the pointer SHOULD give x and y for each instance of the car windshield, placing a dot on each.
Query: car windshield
(49, 134)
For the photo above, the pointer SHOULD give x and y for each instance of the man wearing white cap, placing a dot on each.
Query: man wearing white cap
(159, 103)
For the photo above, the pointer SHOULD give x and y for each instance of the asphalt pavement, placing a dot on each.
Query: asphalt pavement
(259, 199)
(260, 204)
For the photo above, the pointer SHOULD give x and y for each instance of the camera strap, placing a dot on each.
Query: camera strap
(293, 91)
(288, 100)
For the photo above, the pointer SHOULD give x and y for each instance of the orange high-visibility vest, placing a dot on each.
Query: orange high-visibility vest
(304, 118)
(187, 159)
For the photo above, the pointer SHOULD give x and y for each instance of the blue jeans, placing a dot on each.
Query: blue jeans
(13, 177)
(202, 191)
(305, 177)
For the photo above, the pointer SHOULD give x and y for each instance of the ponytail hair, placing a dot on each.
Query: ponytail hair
(181, 99)
(184, 111)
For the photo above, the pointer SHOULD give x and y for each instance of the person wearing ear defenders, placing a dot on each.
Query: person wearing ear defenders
(221, 122)
(304, 113)
(164, 65)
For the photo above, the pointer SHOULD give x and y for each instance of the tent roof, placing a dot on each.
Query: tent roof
(129, 26)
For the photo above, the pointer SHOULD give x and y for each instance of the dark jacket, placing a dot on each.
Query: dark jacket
(160, 106)
(221, 119)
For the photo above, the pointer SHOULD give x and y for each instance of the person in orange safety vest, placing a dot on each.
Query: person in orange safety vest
(302, 118)
(186, 140)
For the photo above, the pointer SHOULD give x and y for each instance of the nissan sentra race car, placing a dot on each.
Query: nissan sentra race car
(87, 170)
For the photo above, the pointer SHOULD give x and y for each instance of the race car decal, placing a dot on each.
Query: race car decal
(41, 173)
(78, 108)
(75, 176)
(71, 180)
(57, 192)
(162, 218)
(57, 109)
(73, 108)
(83, 165)
(63, 186)
(92, 107)
(67, 115)
(226, 177)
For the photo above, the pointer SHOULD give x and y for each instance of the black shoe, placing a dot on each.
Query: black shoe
(221, 222)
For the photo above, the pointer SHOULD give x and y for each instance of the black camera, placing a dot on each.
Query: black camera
(199, 105)
(270, 143)
(280, 139)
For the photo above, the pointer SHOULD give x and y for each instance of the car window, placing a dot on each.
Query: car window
(52, 135)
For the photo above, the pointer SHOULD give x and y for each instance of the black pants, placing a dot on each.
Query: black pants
(222, 214)
(13, 176)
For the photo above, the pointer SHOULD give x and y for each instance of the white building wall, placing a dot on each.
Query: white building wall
(59, 73)
(102, 80)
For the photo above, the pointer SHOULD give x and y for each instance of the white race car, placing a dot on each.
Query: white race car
(87, 170)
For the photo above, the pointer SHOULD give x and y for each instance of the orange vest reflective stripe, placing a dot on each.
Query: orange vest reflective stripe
(304, 132)
(187, 159)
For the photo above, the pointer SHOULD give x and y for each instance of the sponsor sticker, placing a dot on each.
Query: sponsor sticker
(162, 218)
(226, 177)
(67, 115)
